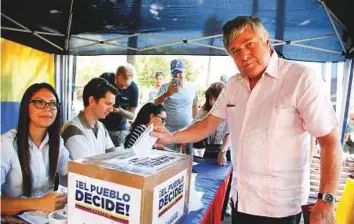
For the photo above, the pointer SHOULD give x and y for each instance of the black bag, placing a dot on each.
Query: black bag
(213, 148)
(212, 151)
(201, 144)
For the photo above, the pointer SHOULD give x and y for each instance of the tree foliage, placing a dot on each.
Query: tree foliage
(86, 71)
(147, 66)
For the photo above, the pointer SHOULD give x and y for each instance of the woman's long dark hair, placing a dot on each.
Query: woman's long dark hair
(214, 90)
(23, 136)
(143, 116)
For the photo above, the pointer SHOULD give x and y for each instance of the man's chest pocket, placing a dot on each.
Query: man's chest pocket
(287, 117)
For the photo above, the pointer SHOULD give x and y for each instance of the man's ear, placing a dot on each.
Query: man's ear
(267, 42)
(91, 100)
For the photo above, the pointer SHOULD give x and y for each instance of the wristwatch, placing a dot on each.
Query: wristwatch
(327, 197)
(222, 150)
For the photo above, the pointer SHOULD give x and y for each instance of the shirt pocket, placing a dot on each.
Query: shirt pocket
(287, 117)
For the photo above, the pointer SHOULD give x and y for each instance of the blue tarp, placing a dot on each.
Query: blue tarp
(208, 180)
(174, 23)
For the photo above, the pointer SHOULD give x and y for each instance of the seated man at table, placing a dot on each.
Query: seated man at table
(85, 135)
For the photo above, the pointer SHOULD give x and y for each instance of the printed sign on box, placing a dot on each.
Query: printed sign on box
(169, 199)
(119, 187)
(97, 201)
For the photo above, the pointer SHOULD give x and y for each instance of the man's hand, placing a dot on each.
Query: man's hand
(163, 135)
(171, 90)
(52, 201)
(117, 109)
(221, 160)
(322, 213)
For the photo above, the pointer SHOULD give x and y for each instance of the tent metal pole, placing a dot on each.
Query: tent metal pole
(278, 41)
(332, 14)
(28, 31)
(121, 37)
(122, 46)
(105, 41)
(15, 29)
(317, 48)
(307, 39)
(313, 38)
(159, 36)
(206, 45)
(178, 41)
(162, 45)
(347, 84)
(279, 44)
(69, 26)
(334, 26)
(85, 38)
(191, 41)
(111, 44)
(308, 46)
(351, 50)
(34, 33)
(49, 42)
(50, 34)
(205, 38)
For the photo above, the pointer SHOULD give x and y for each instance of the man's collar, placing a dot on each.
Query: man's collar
(84, 121)
(272, 68)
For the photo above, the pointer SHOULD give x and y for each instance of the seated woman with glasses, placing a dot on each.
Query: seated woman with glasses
(33, 154)
(149, 114)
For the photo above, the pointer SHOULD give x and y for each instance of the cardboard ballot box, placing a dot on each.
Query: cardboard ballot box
(120, 187)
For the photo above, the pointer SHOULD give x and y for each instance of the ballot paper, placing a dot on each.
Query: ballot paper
(151, 162)
(35, 217)
(143, 146)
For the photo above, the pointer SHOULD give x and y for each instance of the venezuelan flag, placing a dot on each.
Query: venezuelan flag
(21, 66)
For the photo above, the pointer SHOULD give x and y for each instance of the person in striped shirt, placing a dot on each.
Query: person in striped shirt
(149, 114)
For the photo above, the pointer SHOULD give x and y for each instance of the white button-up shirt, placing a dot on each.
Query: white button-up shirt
(269, 129)
(11, 173)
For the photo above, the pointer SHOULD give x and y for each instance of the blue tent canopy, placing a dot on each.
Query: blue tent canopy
(302, 29)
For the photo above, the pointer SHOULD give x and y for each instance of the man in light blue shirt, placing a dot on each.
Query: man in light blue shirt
(180, 100)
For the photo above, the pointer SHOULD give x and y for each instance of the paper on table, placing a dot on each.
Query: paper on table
(35, 217)
(145, 142)
(195, 197)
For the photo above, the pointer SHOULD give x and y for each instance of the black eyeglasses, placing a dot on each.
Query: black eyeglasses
(162, 119)
(41, 104)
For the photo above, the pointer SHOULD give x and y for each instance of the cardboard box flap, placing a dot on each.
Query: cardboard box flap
(127, 161)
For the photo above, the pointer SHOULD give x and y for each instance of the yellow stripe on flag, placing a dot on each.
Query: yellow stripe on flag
(21, 66)
(345, 207)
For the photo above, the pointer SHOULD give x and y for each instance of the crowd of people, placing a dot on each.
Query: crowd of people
(259, 120)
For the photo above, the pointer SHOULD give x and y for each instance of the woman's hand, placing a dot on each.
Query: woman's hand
(221, 160)
(52, 201)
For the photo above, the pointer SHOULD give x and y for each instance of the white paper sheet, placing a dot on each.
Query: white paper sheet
(35, 217)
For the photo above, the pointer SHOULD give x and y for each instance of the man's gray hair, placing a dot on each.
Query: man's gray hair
(235, 27)
(127, 70)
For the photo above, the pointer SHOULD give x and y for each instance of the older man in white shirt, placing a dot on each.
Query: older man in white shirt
(271, 108)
